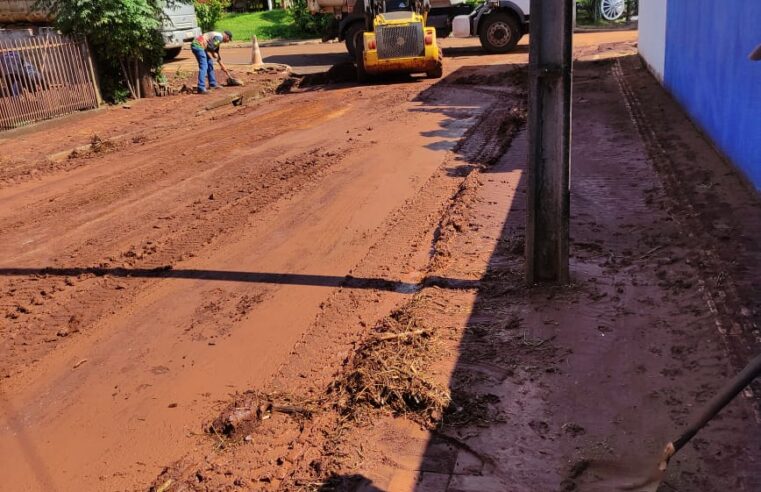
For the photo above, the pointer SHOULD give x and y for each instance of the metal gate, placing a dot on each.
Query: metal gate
(42, 77)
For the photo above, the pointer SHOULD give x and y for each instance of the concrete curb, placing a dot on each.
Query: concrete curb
(278, 43)
(632, 26)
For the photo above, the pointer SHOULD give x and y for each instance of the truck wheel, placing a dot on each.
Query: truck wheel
(353, 37)
(500, 32)
(172, 53)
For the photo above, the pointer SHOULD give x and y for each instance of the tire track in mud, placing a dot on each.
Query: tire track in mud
(169, 160)
(43, 308)
(124, 229)
(29, 159)
(282, 455)
(739, 333)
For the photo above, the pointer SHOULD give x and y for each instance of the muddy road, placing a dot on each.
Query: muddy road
(258, 215)
(180, 255)
(160, 257)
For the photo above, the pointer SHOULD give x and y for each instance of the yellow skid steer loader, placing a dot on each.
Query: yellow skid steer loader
(397, 41)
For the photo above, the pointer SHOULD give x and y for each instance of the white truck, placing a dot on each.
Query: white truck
(178, 26)
(500, 24)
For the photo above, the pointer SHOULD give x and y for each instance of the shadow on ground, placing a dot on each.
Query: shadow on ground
(552, 383)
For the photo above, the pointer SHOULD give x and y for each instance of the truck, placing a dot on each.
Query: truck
(178, 26)
(499, 24)
(179, 23)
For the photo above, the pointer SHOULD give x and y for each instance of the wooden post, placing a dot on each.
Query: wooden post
(550, 72)
(93, 72)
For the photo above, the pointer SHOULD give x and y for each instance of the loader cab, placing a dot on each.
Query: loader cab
(396, 5)
(384, 7)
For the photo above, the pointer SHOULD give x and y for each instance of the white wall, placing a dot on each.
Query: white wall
(652, 34)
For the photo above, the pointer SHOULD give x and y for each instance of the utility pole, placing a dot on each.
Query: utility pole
(549, 126)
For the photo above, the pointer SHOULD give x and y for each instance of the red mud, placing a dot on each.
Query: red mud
(194, 253)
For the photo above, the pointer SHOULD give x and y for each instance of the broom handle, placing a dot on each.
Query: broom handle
(743, 379)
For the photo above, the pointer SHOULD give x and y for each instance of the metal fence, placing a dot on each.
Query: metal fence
(42, 77)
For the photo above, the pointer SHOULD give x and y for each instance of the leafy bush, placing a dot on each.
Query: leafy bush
(123, 34)
(305, 21)
(209, 12)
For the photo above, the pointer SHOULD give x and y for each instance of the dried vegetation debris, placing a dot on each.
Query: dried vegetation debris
(389, 372)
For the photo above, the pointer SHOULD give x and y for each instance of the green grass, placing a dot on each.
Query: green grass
(272, 24)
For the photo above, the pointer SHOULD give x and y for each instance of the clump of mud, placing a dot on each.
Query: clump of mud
(98, 146)
(249, 409)
(266, 79)
(337, 74)
(515, 77)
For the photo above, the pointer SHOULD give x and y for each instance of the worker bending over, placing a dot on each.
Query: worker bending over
(206, 47)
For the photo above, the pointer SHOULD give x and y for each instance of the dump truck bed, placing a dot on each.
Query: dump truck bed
(330, 6)
(20, 11)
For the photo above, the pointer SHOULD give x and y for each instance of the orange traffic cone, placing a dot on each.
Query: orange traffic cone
(256, 53)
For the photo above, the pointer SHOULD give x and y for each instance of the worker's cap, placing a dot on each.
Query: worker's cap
(229, 35)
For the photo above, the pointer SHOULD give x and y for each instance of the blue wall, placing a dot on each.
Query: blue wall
(707, 69)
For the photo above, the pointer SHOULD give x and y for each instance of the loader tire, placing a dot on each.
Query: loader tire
(362, 75)
(438, 71)
(353, 37)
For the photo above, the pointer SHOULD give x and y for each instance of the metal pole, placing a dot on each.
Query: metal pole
(550, 71)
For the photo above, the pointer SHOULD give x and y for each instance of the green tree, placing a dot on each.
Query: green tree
(123, 35)
(209, 12)
(305, 21)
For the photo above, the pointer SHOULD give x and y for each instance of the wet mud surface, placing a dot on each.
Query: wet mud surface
(139, 276)
(515, 388)
(316, 299)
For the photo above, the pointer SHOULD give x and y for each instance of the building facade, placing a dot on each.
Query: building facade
(699, 50)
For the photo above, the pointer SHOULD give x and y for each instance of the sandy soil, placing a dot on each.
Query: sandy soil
(233, 262)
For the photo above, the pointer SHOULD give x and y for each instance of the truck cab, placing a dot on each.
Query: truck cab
(500, 24)
(179, 26)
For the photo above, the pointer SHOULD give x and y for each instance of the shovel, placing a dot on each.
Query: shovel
(727, 394)
(231, 81)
